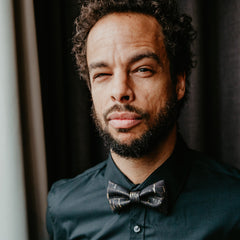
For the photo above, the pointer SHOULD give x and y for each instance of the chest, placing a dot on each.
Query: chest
(143, 223)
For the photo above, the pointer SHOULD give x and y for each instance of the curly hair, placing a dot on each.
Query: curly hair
(177, 29)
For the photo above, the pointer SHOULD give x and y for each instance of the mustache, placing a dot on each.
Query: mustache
(126, 108)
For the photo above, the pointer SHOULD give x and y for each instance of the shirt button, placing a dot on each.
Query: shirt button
(136, 229)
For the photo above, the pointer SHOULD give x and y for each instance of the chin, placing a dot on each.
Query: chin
(125, 138)
(126, 134)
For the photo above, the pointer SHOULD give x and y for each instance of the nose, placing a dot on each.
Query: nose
(121, 90)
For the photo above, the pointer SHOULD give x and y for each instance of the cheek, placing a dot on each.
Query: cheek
(96, 101)
(155, 96)
(99, 102)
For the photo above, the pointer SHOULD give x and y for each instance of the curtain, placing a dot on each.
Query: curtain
(31, 118)
(22, 150)
(13, 221)
(211, 119)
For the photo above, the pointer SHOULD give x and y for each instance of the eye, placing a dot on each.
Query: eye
(100, 75)
(144, 72)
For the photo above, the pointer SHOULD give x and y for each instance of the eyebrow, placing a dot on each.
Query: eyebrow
(141, 56)
(97, 65)
(132, 60)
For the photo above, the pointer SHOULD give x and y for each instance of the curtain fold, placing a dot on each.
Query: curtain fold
(31, 119)
(228, 84)
(13, 220)
(191, 122)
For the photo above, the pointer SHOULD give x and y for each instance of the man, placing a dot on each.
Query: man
(136, 58)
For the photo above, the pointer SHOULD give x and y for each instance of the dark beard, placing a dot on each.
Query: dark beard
(150, 140)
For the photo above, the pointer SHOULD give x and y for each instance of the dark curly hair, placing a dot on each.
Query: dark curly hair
(177, 29)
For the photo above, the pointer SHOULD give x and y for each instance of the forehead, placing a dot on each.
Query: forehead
(127, 21)
(124, 29)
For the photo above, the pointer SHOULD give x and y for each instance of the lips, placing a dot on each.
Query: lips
(124, 120)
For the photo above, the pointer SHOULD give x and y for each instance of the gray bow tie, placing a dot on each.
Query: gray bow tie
(152, 196)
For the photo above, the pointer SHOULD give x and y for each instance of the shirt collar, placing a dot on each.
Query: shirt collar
(174, 171)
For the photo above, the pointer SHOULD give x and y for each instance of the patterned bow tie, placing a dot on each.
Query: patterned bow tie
(152, 196)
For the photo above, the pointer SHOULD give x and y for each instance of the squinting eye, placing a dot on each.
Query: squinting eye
(100, 75)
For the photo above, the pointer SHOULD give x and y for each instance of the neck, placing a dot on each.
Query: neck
(138, 170)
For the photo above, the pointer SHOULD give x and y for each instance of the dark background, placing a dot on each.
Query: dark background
(210, 121)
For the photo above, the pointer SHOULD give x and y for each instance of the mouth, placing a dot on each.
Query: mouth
(124, 120)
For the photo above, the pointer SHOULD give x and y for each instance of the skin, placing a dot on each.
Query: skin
(128, 64)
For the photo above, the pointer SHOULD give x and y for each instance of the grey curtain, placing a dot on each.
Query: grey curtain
(30, 107)
(209, 122)
(13, 221)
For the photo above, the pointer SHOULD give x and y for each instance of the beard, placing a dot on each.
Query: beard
(156, 132)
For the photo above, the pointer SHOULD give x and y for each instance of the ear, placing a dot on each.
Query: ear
(180, 86)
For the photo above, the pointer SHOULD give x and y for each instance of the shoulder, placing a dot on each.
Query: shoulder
(213, 179)
(71, 200)
(211, 192)
(208, 166)
(65, 189)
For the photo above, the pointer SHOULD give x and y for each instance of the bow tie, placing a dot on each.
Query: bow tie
(152, 196)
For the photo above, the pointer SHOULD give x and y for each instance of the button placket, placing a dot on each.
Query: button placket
(137, 215)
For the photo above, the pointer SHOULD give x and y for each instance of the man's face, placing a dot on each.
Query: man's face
(130, 79)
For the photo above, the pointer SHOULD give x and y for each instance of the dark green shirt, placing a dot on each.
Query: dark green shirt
(203, 199)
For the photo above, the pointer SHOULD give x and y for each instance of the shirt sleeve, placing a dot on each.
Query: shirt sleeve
(52, 203)
(49, 224)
